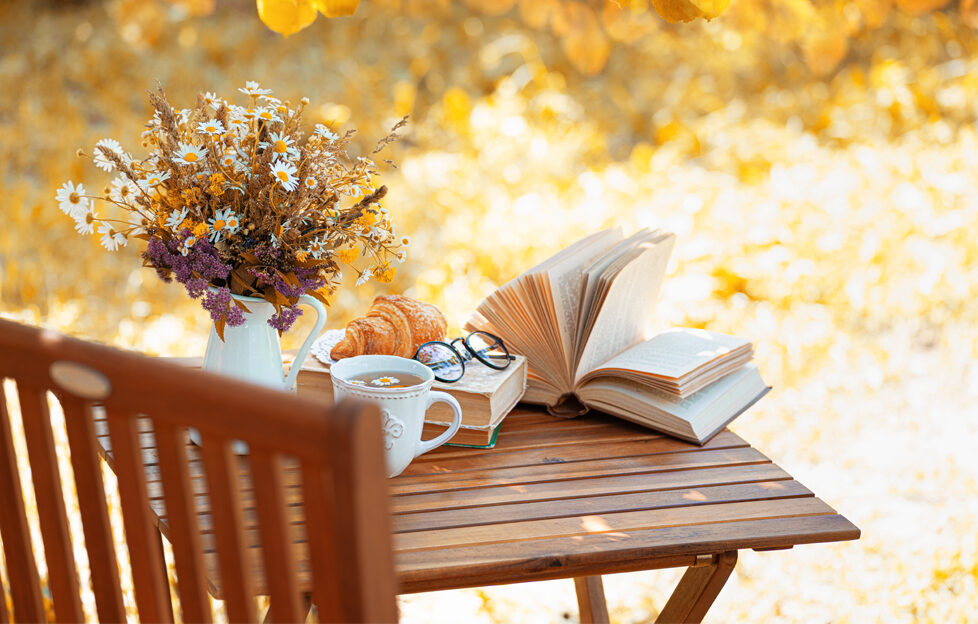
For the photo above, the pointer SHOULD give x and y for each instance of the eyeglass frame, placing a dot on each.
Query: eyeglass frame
(471, 354)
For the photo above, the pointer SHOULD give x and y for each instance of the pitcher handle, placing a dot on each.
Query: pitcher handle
(300, 356)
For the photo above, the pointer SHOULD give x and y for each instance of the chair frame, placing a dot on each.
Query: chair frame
(338, 450)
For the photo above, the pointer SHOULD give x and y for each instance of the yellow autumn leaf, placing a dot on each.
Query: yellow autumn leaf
(336, 8)
(921, 7)
(585, 43)
(687, 10)
(286, 17)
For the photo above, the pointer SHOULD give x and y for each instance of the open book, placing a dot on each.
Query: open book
(582, 318)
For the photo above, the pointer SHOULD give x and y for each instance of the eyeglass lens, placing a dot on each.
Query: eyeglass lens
(489, 349)
(443, 361)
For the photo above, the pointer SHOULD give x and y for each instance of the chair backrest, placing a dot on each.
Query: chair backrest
(335, 454)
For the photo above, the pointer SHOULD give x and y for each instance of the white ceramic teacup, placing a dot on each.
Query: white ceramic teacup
(402, 409)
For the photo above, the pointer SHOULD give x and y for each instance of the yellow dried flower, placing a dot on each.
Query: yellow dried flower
(200, 229)
(385, 273)
(191, 195)
(347, 255)
(217, 184)
(369, 217)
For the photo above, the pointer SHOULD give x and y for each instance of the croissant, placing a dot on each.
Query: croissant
(394, 325)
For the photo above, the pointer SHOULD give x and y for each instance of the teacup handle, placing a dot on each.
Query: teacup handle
(441, 397)
(300, 356)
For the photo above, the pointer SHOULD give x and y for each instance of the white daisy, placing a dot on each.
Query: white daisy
(316, 247)
(175, 218)
(210, 127)
(189, 154)
(154, 179)
(71, 198)
(281, 145)
(365, 276)
(85, 221)
(123, 190)
(212, 99)
(385, 381)
(401, 256)
(405, 241)
(252, 88)
(284, 173)
(238, 124)
(310, 182)
(267, 115)
(189, 242)
(229, 160)
(111, 239)
(111, 145)
(326, 133)
(223, 222)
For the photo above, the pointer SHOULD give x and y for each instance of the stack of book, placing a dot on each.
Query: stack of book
(582, 319)
(485, 395)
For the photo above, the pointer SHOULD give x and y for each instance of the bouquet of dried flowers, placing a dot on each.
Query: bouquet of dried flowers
(231, 201)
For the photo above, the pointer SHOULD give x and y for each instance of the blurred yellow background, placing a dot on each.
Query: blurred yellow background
(818, 162)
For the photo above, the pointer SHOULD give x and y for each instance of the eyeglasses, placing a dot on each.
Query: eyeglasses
(447, 359)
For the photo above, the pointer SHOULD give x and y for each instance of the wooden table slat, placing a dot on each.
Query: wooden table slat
(620, 523)
(426, 468)
(605, 553)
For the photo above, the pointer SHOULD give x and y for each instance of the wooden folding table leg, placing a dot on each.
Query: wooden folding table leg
(590, 600)
(697, 590)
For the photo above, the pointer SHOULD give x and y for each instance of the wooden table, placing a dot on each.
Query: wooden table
(572, 499)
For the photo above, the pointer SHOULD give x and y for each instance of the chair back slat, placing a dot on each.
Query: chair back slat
(25, 586)
(52, 517)
(323, 547)
(140, 409)
(4, 614)
(220, 465)
(182, 518)
(85, 463)
(142, 537)
(368, 550)
(276, 538)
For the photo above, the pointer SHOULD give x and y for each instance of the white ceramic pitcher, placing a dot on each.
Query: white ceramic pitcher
(252, 351)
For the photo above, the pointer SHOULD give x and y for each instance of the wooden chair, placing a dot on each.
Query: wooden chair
(338, 452)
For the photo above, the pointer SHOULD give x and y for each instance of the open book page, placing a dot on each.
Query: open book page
(563, 287)
(596, 278)
(535, 312)
(695, 418)
(675, 353)
(538, 389)
(623, 316)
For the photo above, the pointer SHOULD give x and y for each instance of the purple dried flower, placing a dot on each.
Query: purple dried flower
(201, 266)
(195, 287)
(283, 320)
